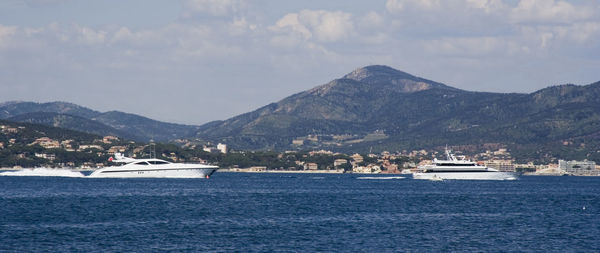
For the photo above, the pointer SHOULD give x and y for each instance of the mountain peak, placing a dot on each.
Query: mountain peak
(378, 71)
(390, 79)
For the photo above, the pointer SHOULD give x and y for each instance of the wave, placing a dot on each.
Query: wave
(42, 172)
(380, 178)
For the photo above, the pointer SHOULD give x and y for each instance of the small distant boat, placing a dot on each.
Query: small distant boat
(457, 167)
(154, 168)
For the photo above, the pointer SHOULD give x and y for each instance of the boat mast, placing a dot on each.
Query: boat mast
(152, 151)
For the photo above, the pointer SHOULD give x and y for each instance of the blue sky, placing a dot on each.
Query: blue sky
(193, 61)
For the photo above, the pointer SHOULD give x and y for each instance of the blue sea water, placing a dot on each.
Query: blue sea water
(246, 212)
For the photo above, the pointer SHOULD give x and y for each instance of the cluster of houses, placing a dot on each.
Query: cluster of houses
(354, 163)
(106, 146)
(500, 159)
(67, 145)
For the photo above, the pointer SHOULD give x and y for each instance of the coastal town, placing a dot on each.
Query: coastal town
(92, 154)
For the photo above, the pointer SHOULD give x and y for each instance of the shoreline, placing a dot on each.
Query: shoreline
(294, 172)
(283, 171)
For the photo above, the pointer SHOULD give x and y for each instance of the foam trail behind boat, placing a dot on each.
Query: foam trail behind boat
(380, 178)
(42, 172)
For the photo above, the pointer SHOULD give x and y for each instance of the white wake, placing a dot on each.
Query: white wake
(42, 172)
(380, 178)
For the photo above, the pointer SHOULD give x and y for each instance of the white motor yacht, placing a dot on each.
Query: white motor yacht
(457, 167)
(153, 168)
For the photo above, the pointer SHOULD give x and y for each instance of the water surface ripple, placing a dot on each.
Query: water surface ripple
(298, 212)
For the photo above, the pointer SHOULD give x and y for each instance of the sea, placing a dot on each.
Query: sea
(262, 212)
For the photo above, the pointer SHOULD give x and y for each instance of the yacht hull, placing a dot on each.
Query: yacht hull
(492, 175)
(154, 173)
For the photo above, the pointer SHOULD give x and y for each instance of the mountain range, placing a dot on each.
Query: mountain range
(372, 108)
(75, 117)
(381, 108)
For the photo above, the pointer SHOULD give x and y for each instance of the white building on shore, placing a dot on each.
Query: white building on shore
(586, 168)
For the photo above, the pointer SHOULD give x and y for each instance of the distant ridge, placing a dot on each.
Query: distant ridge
(373, 108)
(13, 108)
(72, 122)
(386, 109)
(75, 117)
(358, 97)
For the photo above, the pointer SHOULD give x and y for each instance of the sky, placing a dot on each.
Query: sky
(195, 61)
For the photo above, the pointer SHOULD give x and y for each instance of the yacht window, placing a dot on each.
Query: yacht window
(141, 163)
(158, 162)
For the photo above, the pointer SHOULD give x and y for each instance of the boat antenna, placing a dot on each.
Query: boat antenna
(152, 149)
(449, 155)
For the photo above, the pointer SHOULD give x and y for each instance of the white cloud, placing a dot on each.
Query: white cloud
(481, 28)
(549, 11)
(123, 34)
(372, 19)
(320, 25)
(89, 35)
(5, 33)
(542, 11)
(120, 47)
(426, 4)
(215, 7)
(448, 18)
(585, 32)
(568, 36)
(240, 26)
(290, 23)
(489, 6)
(468, 46)
(328, 26)
(372, 29)
(395, 6)
(165, 37)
